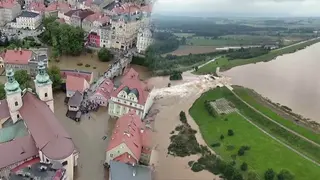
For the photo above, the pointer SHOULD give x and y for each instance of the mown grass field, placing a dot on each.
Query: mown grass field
(264, 152)
(224, 64)
(244, 93)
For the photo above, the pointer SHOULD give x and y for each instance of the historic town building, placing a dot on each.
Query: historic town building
(132, 94)
(102, 95)
(9, 10)
(130, 141)
(44, 137)
(144, 39)
(27, 19)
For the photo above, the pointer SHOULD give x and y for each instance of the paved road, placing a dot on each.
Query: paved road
(291, 131)
(289, 147)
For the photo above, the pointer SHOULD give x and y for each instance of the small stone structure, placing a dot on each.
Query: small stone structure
(222, 106)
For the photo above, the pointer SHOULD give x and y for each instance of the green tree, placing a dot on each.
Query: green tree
(244, 166)
(55, 76)
(221, 137)
(230, 132)
(285, 175)
(237, 176)
(104, 55)
(2, 92)
(23, 78)
(269, 174)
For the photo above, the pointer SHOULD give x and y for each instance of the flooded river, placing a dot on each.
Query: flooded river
(290, 80)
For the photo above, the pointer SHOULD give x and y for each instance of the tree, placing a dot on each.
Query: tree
(269, 174)
(221, 137)
(55, 76)
(23, 78)
(230, 132)
(2, 92)
(104, 55)
(241, 152)
(237, 176)
(229, 171)
(244, 166)
(285, 175)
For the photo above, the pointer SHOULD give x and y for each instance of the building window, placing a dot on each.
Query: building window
(16, 103)
(45, 94)
(65, 163)
(111, 155)
(18, 116)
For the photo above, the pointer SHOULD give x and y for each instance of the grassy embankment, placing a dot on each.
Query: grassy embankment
(264, 152)
(225, 64)
(246, 95)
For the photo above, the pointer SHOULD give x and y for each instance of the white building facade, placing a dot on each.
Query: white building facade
(28, 19)
(144, 39)
(9, 10)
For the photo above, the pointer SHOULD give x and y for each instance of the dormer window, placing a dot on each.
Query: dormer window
(16, 103)
(45, 94)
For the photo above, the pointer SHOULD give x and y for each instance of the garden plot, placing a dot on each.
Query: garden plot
(222, 106)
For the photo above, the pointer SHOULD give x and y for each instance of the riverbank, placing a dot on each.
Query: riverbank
(261, 155)
(226, 64)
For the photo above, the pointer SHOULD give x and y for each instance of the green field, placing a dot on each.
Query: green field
(245, 94)
(224, 64)
(264, 153)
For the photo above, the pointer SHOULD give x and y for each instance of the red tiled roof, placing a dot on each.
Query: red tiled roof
(146, 138)
(26, 164)
(17, 150)
(105, 88)
(37, 6)
(86, 75)
(48, 134)
(81, 13)
(74, 83)
(93, 17)
(17, 56)
(127, 131)
(104, 19)
(8, 3)
(126, 158)
(132, 81)
(64, 7)
(4, 110)
(126, 8)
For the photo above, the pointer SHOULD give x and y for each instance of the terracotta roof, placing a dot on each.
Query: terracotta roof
(93, 17)
(8, 3)
(4, 110)
(104, 19)
(17, 56)
(84, 74)
(126, 8)
(126, 158)
(49, 136)
(81, 13)
(64, 7)
(146, 8)
(105, 88)
(37, 6)
(74, 83)
(17, 150)
(131, 80)
(70, 13)
(127, 131)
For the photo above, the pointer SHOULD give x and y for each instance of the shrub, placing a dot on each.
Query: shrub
(57, 60)
(172, 132)
(269, 174)
(241, 152)
(183, 117)
(230, 132)
(234, 156)
(230, 147)
(215, 145)
(210, 109)
(285, 175)
(179, 128)
(221, 137)
(79, 64)
(87, 65)
(104, 55)
(190, 163)
(94, 67)
(176, 75)
(197, 167)
(244, 166)
(252, 176)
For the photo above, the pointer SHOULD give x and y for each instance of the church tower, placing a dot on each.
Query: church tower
(43, 85)
(13, 95)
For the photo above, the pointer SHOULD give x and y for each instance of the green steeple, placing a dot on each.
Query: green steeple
(11, 86)
(42, 77)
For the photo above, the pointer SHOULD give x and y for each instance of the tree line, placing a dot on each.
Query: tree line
(247, 53)
(65, 39)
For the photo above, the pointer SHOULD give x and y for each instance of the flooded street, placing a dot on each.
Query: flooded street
(290, 80)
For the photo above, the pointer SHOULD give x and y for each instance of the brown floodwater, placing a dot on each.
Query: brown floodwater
(290, 80)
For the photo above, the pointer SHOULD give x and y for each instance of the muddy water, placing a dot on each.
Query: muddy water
(290, 80)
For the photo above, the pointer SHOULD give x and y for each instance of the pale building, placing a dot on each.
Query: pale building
(27, 19)
(102, 95)
(9, 10)
(132, 94)
(144, 39)
(105, 36)
(130, 141)
(46, 139)
(29, 2)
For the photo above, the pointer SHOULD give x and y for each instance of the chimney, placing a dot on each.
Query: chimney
(141, 130)
(20, 50)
